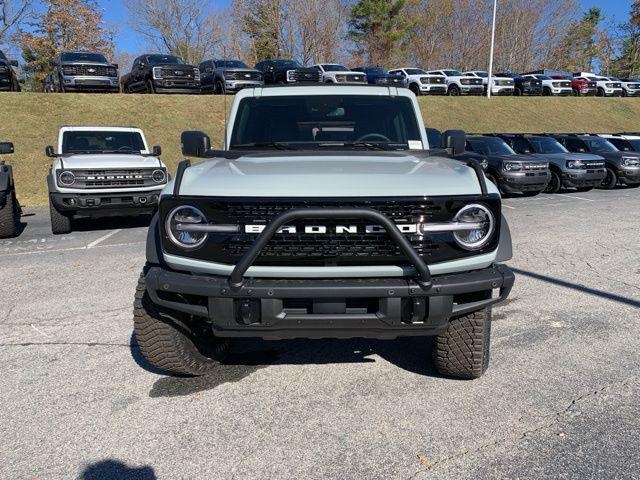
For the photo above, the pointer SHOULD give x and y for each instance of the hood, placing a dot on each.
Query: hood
(330, 174)
(241, 70)
(571, 156)
(109, 160)
(383, 75)
(86, 62)
(177, 66)
(517, 158)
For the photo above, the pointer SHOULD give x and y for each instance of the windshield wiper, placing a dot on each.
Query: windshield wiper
(367, 145)
(276, 145)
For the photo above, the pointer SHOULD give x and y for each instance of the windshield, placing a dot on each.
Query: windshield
(326, 121)
(161, 59)
(600, 145)
(542, 77)
(335, 68)
(231, 64)
(378, 70)
(414, 71)
(546, 145)
(490, 146)
(452, 73)
(84, 57)
(635, 144)
(102, 142)
(481, 74)
(287, 64)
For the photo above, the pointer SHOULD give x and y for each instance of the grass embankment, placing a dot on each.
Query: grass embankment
(32, 121)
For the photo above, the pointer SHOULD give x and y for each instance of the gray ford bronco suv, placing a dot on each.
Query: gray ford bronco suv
(325, 215)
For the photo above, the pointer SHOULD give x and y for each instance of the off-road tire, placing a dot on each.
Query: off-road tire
(10, 217)
(169, 343)
(610, 181)
(218, 88)
(600, 92)
(517, 92)
(462, 351)
(546, 92)
(60, 223)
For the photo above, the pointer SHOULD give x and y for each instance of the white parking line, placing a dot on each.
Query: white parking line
(509, 206)
(70, 249)
(573, 196)
(103, 238)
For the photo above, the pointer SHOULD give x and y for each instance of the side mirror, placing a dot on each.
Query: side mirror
(195, 143)
(156, 151)
(434, 136)
(50, 152)
(454, 141)
(6, 147)
(13, 63)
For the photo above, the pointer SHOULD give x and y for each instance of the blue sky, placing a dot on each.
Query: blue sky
(115, 12)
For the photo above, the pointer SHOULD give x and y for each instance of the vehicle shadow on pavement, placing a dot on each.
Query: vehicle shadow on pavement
(116, 470)
(250, 355)
(110, 223)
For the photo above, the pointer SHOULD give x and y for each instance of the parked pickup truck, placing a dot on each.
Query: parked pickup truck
(228, 76)
(605, 86)
(460, 84)
(582, 171)
(420, 82)
(581, 86)
(380, 76)
(622, 167)
(552, 86)
(10, 211)
(83, 72)
(509, 171)
(161, 74)
(102, 171)
(8, 79)
(630, 87)
(324, 216)
(337, 73)
(499, 85)
(281, 71)
(524, 86)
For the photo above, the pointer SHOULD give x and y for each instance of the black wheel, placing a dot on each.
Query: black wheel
(454, 91)
(517, 92)
(10, 217)
(584, 189)
(171, 342)
(555, 184)
(415, 89)
(576, 93)
(546, 92)
(60, 223)
(610, 181)
(463, 349)
(150, 87)
(126, 89)
(600, 92)
(218, 88)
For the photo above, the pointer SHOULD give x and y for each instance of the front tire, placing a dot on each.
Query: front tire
(60, 223)
(415, 89)
(150, 87)
(454, 91)
(554, 185)
(610, 181)
(10, 217)
(172, 345)
(600, 92)
(462, 351)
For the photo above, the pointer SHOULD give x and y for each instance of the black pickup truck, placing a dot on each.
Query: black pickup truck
(8, 79)
(155, 73)
(287, 71)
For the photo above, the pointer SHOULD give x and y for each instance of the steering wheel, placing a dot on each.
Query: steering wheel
(373, 136)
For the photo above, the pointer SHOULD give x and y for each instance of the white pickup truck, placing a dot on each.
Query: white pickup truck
(102, 171)
(460, 84)
(607, 86)
(337, 73)
(499, 85)
(421, 82)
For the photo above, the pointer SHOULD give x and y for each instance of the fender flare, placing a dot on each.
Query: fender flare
(154, 245)
(6, 178)
(505, 247)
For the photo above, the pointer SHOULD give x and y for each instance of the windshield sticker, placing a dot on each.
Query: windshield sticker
(415, 145)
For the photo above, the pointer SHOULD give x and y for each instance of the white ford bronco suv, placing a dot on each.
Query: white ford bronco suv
(324, 215)
(102, 171)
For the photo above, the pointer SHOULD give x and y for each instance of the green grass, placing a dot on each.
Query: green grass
(32, 121)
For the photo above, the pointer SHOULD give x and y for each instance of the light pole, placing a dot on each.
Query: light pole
(493, 39)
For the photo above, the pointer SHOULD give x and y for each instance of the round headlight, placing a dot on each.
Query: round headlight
(67, 178)
(476, 238)
(575, 164)
(177, 225)
(158, 176)
(512, 166)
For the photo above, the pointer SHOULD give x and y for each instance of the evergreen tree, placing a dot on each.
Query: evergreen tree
(628, 63)
(377, 27)
(262, 22)
(580, 47)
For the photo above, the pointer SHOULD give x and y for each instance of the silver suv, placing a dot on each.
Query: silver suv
(324, 215)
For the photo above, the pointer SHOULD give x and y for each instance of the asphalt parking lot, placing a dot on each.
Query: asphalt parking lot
(560, 399)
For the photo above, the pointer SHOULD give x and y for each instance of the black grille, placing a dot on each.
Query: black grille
(88, 70)
(187, 73)
(432, 80)
(242, 75)
(365, 245)
(113, 178)
(303, 75)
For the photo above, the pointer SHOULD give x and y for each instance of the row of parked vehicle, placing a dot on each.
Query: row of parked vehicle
(158, 73)
(112, 170)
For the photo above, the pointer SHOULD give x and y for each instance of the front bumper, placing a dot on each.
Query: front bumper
(499, 91)
(562, 92)
(433, 89)
(612, 92)
(629, 175)
(632, 93)
(471, 90)
(177, 86)
(237, 85)
(519, 182)
(90, 83)
(584, 178)
(328, 308)
(88, 203)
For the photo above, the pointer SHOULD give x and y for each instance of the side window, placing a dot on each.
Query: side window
(469, 147)
(621, 144)
(316, 67)
(575, 145)
(521, 145)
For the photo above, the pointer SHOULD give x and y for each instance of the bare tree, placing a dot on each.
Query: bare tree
(12, 13)
(187, 28)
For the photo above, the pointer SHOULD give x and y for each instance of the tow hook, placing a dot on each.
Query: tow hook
(142, 200)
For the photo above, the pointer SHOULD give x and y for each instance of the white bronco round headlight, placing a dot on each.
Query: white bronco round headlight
(185, 216)
(476, 238)
(67, 178)
(158, 176)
